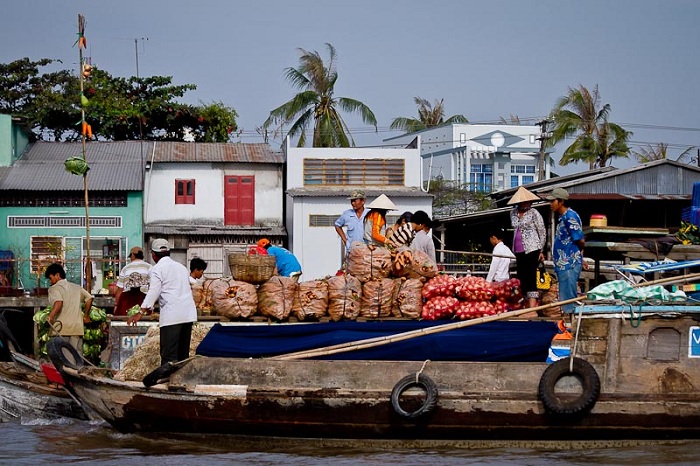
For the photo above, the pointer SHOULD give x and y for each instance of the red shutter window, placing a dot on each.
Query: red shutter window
(184, 191)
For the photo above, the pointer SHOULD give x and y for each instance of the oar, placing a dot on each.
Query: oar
(379, 341)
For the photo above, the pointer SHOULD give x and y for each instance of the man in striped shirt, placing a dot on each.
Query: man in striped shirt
(132, 283)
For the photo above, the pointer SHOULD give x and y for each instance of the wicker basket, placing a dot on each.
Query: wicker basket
(251, 268)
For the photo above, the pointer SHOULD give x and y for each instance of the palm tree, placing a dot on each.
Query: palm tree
(429, 115)
(316, 103)
(651, 153)
(597, 141)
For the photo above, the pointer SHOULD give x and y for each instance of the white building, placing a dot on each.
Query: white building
(319, 181)
(211, 199)
(483, 158)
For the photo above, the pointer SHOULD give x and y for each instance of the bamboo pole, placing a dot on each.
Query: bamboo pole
(379, 341)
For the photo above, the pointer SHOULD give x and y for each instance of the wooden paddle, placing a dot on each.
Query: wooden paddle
(379, 341)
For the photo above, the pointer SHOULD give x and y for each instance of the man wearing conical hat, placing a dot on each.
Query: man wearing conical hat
(529, 238)
(375, 221)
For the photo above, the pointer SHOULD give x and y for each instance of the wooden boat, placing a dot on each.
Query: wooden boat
(630, 378)
(25, 390)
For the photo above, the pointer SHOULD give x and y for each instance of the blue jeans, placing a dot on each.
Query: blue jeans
(568, 279)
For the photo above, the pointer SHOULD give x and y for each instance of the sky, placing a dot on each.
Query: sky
(486, 59)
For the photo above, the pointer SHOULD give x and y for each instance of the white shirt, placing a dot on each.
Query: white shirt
(127, 280)
(498, 271)
(170, 285)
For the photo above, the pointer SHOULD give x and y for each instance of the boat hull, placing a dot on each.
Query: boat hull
(353, 400)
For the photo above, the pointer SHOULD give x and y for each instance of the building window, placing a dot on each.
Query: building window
(45, 250)
(521, 175)
(184, 191)
(481, 177)
(354, 172)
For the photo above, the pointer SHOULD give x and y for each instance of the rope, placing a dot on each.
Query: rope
(425, 363)
(578, 327)
(639, 317)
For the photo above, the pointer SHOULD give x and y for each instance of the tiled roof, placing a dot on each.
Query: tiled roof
(114, 166)
(169, 151)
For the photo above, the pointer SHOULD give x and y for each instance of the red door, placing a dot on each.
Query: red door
(239, 200)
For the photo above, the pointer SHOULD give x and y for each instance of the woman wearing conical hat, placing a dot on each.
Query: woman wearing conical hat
(375, 221)
(529, 238)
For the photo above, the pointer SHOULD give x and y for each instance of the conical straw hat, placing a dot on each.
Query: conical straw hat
(522, 195)
(382, 202)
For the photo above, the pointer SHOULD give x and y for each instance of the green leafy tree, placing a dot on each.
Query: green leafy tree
(580, 114)
(117, 109)
(429, 115)
(317, 105)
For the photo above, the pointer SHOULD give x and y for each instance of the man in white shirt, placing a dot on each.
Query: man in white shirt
(502, 255)
(170, 284)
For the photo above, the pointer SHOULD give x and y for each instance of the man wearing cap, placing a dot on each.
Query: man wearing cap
(132, 282)
(170, 285)
(353, 220)
(286, 262)
(567, 252)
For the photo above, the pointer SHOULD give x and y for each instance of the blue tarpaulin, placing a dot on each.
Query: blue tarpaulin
(506, 341)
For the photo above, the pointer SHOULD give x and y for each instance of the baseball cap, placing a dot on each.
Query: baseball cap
(263, 242)
(357, 194)
(557, 193)
(135, 250)
(160, 245)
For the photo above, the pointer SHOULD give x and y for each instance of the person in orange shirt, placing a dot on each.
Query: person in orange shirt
(375, 221)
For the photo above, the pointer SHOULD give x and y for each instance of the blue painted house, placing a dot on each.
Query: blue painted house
(42, 206)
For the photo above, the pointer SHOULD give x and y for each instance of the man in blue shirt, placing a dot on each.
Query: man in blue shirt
(353, 220)
(287, 263)
(567, 252)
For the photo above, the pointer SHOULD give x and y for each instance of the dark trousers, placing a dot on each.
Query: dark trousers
(526, 267)
(175, 342)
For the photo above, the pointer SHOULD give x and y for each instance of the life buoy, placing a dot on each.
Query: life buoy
(424, 383)
(63, 354)
(587, 377)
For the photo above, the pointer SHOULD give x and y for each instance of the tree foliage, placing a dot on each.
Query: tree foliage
(453, 198)
(429, 115)
(316, 104)
(118, 108)
(597, 140)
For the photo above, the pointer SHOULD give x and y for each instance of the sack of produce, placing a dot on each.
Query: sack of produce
(442, 285)
(344, 297)
(440, 307)
(233, 299)
(413, 264)
(472, 288)
(276, 296)
(548, 297)
(201, 292)
(365, 262)
(376, 298)
(407, 301)
(310, 300)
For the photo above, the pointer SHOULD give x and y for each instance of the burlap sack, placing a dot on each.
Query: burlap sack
(413, 264)
(407, 301)
(344, 293)
(233, 299)
(276, 296)
(201, 292)
(548, 297)
(376, 298)
(365, 263)
(310, 300)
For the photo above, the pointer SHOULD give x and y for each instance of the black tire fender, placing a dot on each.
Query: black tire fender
(63, 354)
(587, 377)
(423, 382)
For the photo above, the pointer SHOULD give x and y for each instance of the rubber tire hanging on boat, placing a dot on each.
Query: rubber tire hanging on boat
(586, 375)
(426, 384)
(63, 354)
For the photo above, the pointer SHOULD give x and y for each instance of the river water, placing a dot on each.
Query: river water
(77, 442)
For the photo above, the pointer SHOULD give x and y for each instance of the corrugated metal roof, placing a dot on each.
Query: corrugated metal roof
(114, 166)
(205, 230)
(369, 192)
(170, 151)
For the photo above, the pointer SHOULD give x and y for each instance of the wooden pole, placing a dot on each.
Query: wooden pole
(379, 341)
(88, 260)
